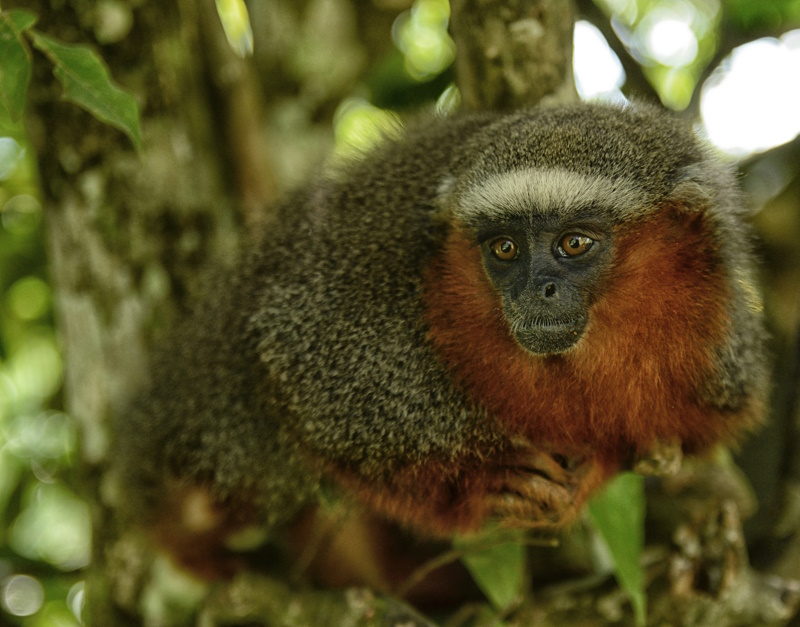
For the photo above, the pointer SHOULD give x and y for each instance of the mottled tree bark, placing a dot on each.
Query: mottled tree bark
(513, 54)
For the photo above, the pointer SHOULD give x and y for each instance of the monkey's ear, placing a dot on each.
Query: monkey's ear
(692, 192)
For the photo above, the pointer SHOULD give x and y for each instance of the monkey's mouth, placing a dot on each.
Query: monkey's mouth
(549, 335)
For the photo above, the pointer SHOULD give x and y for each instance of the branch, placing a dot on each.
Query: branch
(240, 116)
(515, 55)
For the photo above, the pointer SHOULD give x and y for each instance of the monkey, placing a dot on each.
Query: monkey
(481, 320)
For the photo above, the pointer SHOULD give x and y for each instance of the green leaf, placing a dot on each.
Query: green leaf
(499, 570)
(15, 69)
(618, 515)
(22, 20)
(86, 83)
(236, 24)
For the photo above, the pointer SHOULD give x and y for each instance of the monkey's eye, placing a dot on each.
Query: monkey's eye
(574, 244)
(505, 249)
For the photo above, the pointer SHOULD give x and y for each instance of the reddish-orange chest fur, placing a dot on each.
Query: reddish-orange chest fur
(631, 380)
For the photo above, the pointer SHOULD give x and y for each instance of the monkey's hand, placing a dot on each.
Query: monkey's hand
(519, 485)
(534, 487)
(661, 460)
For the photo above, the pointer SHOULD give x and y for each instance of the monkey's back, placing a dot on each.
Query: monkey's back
(314, 347)
(340, 312)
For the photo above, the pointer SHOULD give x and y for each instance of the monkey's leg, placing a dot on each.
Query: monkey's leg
(198, 529)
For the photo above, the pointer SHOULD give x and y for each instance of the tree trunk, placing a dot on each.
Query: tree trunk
(128, 234)
(514, 55)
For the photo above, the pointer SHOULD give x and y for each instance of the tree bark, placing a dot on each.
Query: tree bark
(513, 54)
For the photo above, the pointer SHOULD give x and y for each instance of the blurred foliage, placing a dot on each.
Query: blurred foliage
(44, 526)
(753, 16)
(236, 23)
(673, 41)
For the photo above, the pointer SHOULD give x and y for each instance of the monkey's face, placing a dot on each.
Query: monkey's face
(547, 272)
(546, 238)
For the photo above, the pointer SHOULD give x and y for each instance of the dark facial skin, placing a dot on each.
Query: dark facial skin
(548, 272)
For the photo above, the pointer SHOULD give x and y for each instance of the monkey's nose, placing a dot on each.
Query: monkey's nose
(549, 290)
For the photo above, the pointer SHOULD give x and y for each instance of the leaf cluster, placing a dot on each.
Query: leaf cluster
(83, 75)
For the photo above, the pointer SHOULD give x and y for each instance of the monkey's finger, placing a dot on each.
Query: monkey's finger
(533, 499)
(553, 467)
